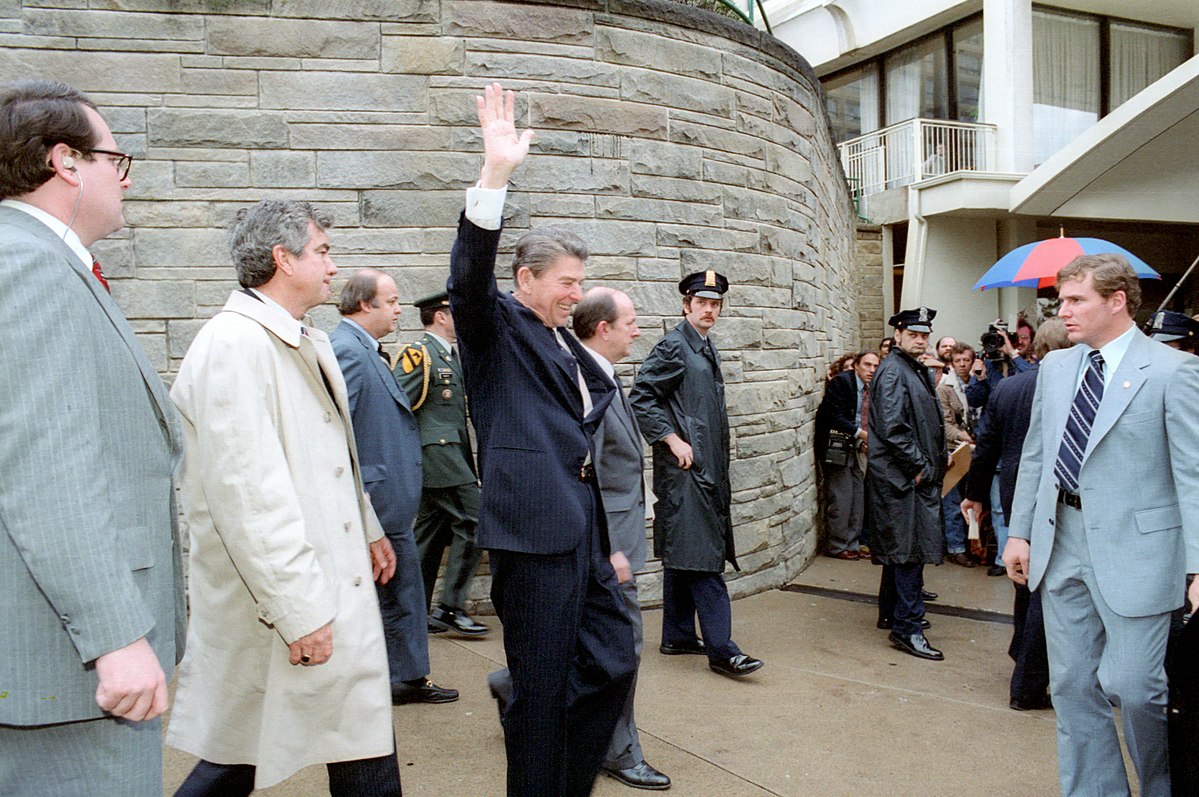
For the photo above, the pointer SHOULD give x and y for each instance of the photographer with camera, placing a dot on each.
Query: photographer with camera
(1000, 356)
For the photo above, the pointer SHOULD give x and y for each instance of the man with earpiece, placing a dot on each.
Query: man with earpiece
(91, 609)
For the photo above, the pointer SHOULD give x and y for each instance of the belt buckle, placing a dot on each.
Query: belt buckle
(586, 472)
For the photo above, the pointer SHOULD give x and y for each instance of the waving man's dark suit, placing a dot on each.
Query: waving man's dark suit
(568, 641)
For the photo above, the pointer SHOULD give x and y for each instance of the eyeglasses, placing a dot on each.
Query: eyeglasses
(120, 160)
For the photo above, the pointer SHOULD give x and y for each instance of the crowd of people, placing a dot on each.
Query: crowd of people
(1099, 574)
(321, 485)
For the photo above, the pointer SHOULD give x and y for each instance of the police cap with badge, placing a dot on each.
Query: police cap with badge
(1167, 326)
(918, 320)
(707, 284)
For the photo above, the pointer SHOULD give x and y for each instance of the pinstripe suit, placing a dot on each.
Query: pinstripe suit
(567, 639)
(89, 554)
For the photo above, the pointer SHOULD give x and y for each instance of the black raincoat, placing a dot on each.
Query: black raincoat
(906, 438)
(680, 389)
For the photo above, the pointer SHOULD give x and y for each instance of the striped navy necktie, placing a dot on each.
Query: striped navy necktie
(1078, 424)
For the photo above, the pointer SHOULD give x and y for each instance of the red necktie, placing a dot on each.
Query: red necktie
(100, 274)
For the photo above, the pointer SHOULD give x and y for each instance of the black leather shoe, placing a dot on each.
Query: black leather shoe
(736, 666)
(682, 648)
(996, 570)
(960, 559)
(446, 618)
(916, 645)
(885, 622)
(925, 595)
(1031, 705)
(427, 692)
(641, 776)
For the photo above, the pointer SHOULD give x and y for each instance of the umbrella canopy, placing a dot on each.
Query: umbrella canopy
(1036, 265)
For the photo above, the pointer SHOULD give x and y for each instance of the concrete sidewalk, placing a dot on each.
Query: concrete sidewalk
(835, 711)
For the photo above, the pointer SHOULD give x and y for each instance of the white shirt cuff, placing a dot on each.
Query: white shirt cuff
(485, 206)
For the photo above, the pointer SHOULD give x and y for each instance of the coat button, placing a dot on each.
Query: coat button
(1050, 521)
(338, 471)
(346, 525)
(357, 581)
(441, 441)
(328, 417)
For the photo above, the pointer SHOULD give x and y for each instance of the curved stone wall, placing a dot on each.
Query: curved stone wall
(672, 139)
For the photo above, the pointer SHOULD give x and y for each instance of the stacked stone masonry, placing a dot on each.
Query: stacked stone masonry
(670, 138)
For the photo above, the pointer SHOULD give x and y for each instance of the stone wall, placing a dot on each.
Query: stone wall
(672, 139)
(868, 259)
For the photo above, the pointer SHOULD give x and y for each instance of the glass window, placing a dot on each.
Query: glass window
(1139, 56)
(917, 81)
(1066, 85)
(852, 100)
(968, 69)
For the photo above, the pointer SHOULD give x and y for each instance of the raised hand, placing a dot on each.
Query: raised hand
(503, 148)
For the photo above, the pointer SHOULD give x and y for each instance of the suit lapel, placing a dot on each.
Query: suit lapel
(1125, 383)
(163, 408)
(1058, 375)
(372, 346)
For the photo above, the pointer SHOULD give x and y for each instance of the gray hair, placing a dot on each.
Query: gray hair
(257, 230)
(540, 248)
(362, 287)
(598, 304)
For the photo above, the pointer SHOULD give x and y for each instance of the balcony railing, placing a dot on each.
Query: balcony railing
(915, 150)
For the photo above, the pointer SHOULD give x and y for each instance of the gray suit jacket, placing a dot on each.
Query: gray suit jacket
(619, 464)
(385, 429)
(89, 548)
(1139, 480)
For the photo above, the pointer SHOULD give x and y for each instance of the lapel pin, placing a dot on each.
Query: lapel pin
(1127, 384)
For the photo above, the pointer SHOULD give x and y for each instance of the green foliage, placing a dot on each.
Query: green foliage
(714, 6)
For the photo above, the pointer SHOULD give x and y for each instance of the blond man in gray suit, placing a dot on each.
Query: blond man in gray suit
(1105, 522)
(91, 593)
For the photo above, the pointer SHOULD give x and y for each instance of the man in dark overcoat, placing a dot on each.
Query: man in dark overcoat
(678, 398)
(907, 459)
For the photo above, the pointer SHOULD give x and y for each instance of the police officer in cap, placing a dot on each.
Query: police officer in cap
(678, 398)
(1176, 330)
(906, 464)
(429, 372)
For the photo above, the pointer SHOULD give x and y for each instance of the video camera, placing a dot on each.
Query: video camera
(992, 341)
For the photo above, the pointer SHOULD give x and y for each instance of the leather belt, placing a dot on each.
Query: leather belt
(587, 473)
(1072, 500)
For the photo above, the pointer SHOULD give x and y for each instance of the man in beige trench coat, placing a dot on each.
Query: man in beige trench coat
(286, 664)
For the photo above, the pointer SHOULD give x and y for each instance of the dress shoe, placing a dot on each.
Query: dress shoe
(1035, 704)
(996, 570)
(927, 596)
(682, 648)
(640, 776)
(960, 559)
(736, 666)
(847, 555)
(450, 619)
(916, 645)
(427, 692)
(885, 622)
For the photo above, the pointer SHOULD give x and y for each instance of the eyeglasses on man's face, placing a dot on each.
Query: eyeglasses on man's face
(120, 160)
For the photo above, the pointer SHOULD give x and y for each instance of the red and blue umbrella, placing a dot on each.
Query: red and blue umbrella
(1036, 265)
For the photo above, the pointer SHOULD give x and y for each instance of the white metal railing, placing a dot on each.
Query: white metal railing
(915, 150)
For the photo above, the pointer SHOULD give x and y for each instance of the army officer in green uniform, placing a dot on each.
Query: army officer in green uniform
(429, 372)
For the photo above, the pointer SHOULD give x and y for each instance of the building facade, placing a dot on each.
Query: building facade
(970, 128)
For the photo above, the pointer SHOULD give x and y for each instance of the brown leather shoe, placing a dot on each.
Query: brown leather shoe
(960, 559)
